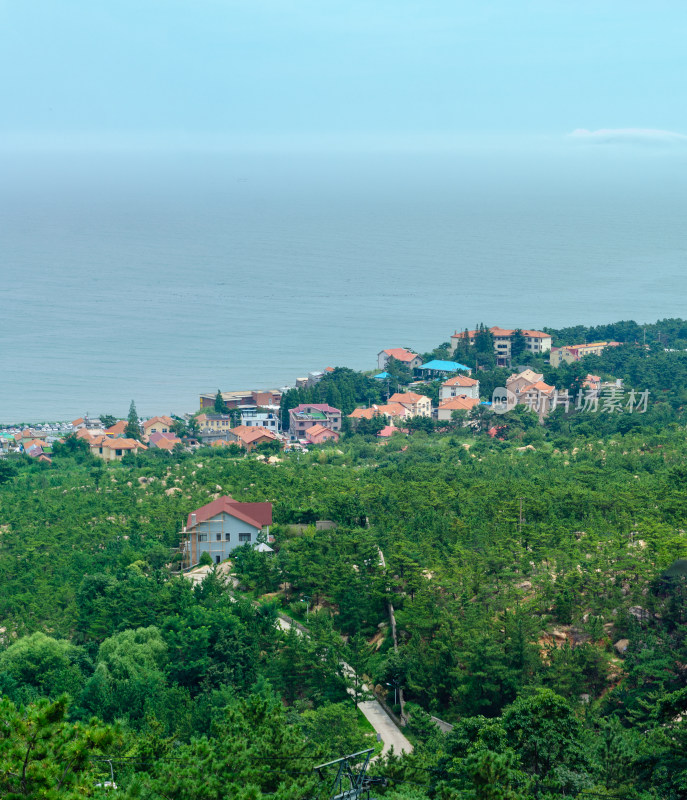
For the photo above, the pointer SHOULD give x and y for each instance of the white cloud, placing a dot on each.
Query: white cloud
(650, 136)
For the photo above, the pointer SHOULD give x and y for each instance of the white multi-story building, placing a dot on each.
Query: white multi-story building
(264, 417)
(459, 386)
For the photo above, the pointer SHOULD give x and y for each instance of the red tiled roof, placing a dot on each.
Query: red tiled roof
(537, 334)
(405, 397)
(78, 421)
(35, 443)
(117, 429)
(315, 430)
(496, 331)
(165, 444)
(249, 433)
(460, 403)
(256, 514)
(460, 380)
(120, 444)
(393, 409)
(400, 354)
(390, 430)
(362, 413)
(540, 386)
(163, 419)
(165, 441)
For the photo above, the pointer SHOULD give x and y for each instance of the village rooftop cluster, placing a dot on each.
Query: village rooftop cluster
(251, 418)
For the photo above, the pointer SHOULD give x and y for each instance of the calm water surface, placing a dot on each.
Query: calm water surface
(159, 277)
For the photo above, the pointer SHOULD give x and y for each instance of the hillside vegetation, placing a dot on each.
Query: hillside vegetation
(537, 583)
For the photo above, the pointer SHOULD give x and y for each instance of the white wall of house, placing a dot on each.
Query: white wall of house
(265, 418)
(218, 536)
(449, 392)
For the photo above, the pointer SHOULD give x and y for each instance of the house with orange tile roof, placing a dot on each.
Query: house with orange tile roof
(161, 424)
(539, 397)
(418, 405)
(86, 422)
(114, 449)
(530, 389)
(317, 434)
(407, 357)
(537, 342)
(592, 382)
(27, 435)
(363, 413)
(221, 526)
(250, 436)
(520, 380)
(395, 411)
(116, 430)
(36, 448)
(457, 387)
(460, 403)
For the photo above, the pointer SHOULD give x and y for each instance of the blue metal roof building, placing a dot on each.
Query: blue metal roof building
(444, 367)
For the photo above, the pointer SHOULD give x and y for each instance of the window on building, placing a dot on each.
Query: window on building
(218, 537)
(118, 452)
(202, 537)
(244, 537)
(227, 537)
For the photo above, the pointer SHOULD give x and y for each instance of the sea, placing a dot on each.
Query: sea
(156, 276)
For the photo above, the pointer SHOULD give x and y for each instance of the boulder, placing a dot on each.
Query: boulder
(621, 645)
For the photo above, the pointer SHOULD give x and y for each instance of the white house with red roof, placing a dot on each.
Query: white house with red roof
(461, 403)
(407, 357)
(221, 526)
(459, 386)
(418, 405)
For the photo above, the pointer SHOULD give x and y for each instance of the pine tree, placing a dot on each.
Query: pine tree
(133, 429)
(220, 405)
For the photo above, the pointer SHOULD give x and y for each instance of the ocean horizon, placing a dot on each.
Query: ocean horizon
(156, 277)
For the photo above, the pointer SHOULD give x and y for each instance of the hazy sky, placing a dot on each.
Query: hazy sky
(204, 71)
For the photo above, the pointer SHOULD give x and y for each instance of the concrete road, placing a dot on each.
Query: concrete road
(382, 723)
(385, 727)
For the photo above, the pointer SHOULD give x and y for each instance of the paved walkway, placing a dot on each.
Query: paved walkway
(385, 727)
(389, 732)
(382, 723)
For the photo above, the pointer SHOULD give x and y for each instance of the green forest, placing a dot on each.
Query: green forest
(537, 579)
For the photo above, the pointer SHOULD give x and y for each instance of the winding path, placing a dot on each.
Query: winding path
(382, 723)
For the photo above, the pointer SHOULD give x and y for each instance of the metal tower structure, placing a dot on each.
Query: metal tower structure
(350, 782)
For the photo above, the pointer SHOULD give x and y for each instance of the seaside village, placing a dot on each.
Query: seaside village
(251, 418)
